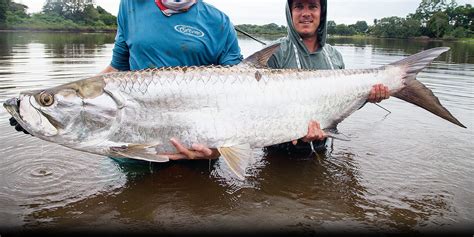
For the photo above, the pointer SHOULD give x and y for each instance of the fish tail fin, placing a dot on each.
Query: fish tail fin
(416, 92)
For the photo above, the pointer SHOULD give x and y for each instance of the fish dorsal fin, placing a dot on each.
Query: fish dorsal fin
(140, 152)
(237, 158)
(335, 134)
(260, 58)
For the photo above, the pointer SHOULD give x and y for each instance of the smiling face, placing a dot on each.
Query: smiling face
(306, 16)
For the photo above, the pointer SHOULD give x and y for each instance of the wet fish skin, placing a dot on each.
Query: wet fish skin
(134, 114)
(228, 106)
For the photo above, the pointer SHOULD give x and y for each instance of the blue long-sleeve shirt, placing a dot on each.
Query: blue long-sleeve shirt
(146, 38)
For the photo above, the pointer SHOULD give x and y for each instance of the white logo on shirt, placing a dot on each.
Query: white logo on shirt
(189, 30)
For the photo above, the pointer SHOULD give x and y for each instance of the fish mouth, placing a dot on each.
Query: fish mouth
(12, 106)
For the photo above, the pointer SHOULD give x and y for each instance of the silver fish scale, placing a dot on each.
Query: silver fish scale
(226, 106)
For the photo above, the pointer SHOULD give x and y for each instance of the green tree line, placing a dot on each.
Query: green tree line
(268, 29)
(71, 15)
(433, 18)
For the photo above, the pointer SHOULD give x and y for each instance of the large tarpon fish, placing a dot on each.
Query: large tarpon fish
(234, 109)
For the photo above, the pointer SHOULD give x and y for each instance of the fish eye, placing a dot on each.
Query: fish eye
(46, 99)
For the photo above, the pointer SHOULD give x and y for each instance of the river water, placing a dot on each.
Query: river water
(408, 171)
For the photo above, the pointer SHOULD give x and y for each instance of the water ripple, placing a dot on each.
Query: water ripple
(47, 176)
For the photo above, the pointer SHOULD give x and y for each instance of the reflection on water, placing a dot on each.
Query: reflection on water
(459, 53)
(408, 171)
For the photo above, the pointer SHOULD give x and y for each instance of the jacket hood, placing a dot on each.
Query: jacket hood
(322, 29)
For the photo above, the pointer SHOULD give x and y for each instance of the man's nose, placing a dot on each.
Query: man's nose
(305, 12)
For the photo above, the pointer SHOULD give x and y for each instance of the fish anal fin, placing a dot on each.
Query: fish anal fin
(237, 158)
(260, 58)
(140, 152)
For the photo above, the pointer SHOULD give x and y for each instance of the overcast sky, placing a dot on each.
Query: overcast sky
(272, 11)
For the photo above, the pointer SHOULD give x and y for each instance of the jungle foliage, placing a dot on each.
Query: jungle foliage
(268, 29)
(433, 18)
(70, 15)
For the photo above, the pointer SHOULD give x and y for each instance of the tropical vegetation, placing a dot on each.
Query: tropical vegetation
(268, 29)
(433, 18)
(70, 15)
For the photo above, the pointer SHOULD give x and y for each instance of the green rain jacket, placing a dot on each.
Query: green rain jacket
(294, 54)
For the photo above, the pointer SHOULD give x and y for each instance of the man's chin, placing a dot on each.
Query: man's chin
(307, 35)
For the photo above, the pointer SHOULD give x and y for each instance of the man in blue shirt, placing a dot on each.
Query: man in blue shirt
(153, 34)
(161, 33)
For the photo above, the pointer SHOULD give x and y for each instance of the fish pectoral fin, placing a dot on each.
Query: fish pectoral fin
(140, 152)
(237, 158)
(335, 134)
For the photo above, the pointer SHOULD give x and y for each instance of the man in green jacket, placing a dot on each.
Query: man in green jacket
(305, 47)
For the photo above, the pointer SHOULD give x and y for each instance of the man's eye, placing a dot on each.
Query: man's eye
(298, 6)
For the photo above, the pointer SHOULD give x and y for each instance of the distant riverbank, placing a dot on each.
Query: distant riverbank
(427, 39)
(275, 36)
(463, 40)
(267, 35)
